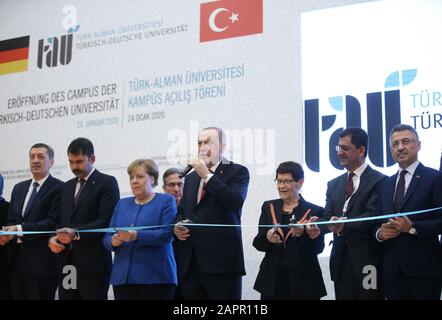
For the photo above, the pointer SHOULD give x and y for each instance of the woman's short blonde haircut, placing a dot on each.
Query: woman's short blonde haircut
(149, 166)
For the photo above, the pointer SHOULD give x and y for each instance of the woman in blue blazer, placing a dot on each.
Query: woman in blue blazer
(144, 264)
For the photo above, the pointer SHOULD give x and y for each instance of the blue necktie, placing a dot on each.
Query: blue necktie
(31, 199)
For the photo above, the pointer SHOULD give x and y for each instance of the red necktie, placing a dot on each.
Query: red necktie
(203, 191)
(349, 188)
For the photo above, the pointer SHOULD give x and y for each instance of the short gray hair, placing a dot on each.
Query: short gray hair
(170, 172)
(403, 127)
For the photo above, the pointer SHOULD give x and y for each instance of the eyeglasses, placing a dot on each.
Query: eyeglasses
(397, 143)
(174, 184)
(284, 182)
(342, 148)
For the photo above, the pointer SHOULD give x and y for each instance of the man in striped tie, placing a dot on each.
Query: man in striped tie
(87, 202)
(355, 253)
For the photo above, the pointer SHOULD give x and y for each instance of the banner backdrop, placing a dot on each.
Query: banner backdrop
(142, 78)
(371, 65)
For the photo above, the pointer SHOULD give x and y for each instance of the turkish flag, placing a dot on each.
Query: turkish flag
(230, 18)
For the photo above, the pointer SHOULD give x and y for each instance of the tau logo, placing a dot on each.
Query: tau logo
(59, 50)
(380, 107)
(55, 51)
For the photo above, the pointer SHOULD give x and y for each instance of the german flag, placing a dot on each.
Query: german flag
(14, 55)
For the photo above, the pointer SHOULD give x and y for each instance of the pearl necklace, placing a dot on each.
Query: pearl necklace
(145, 201)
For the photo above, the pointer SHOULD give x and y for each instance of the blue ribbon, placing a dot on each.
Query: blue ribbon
(113, 230)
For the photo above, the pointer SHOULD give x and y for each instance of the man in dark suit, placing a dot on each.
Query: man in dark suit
(34, 206)
(173, 184)
(87, 202)
(211, 260)
(4, 250)
(355, 253)
(411, 253)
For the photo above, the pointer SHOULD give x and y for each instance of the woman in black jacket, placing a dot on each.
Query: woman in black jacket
(290, 268)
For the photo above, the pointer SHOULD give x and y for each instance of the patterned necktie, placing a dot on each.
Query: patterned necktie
(31, 199)
(203, 191)
(349, 188)
(82, 183)
(400, 192)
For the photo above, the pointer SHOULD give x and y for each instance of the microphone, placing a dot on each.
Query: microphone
(186, 171)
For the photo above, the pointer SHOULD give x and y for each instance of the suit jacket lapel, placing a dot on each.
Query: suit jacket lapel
(44, 188)
(88, 187)
(301, 209)
(220, 171)
(278, 210)
(22, 197)
(363, 182)
(70, 191)
(40, 194)
(193, 184)
(340, 192)
(389, 193)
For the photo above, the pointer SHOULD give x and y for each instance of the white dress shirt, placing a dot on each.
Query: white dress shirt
(28, 196)
(77, 186)
(209, 176)
(410, 172)
(356, 180)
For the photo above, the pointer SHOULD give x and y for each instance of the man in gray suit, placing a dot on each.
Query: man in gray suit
(355, 255)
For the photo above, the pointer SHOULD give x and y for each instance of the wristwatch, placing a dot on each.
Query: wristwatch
(412, 231)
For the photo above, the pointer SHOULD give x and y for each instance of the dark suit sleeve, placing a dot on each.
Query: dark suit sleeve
(108, 200)
(260, 242)
(233, 194)
(380, 210)
(4, 207)
(11, 218)
(180, 216)
(328, 210)
(431, 227)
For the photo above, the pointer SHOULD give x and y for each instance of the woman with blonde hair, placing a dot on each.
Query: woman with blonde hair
(144, 264)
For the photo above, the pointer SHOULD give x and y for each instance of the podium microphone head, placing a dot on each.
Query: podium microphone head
(186, 171)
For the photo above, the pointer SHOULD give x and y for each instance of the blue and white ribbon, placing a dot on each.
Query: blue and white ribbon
(215, 225)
